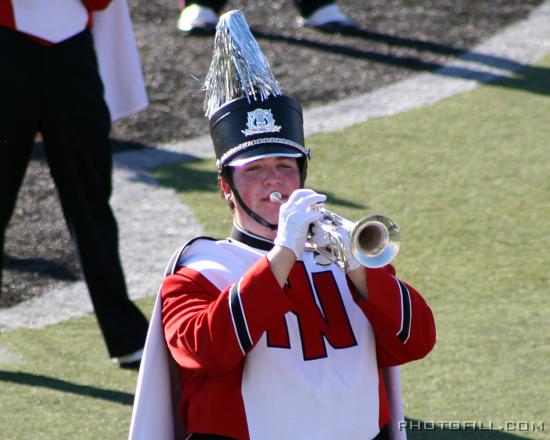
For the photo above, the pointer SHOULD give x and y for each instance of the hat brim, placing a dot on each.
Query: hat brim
(262, 152)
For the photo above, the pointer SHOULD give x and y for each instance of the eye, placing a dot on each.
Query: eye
(287, 165)
(252, 167)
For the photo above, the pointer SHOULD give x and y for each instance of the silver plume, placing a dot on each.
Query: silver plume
(239, 67)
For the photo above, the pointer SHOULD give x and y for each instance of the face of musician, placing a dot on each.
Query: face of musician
(255, 181)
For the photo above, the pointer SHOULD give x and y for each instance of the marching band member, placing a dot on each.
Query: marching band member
(270, 340)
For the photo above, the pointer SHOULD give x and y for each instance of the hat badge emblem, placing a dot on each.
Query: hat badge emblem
(260, 121)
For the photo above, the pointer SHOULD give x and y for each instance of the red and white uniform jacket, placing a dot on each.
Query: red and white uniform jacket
(51, 21)
(257, 361)
(54, 21)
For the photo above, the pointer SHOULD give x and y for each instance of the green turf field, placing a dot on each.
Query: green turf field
(468, 180)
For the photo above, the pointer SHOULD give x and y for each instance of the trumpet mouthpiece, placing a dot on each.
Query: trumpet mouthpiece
(276, 197)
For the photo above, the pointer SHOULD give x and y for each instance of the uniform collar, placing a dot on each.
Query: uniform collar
(243, 236)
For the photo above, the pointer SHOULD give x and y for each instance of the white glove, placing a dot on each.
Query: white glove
(295, 216)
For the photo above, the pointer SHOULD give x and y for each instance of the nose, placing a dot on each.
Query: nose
(272, 176)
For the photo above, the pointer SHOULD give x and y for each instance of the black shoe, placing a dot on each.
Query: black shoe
(130, 365)
(336, 27)
(130, 361)
(207, 30)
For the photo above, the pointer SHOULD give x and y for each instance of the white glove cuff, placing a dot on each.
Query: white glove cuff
(295, 246)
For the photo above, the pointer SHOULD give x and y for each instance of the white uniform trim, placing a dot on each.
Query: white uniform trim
(239, 318)
(118, 59)
(406, 312)
(155, 413)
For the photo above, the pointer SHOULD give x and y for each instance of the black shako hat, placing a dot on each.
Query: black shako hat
(249, 117)
(244, 130)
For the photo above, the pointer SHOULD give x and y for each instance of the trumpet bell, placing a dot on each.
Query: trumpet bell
(375, 241)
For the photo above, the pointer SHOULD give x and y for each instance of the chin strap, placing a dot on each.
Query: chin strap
(249, 211)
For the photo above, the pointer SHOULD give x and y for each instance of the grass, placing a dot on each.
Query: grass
(468, 181)
(58, 383)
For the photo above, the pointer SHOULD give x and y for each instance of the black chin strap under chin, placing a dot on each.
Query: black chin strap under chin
(249, 211)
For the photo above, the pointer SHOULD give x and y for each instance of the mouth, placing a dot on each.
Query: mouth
(276, 197)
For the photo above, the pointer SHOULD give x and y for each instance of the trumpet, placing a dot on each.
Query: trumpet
(374, 239)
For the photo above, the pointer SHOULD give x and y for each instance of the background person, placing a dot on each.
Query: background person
(49, 83)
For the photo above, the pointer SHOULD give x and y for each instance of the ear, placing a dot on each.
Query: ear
(226, 190)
